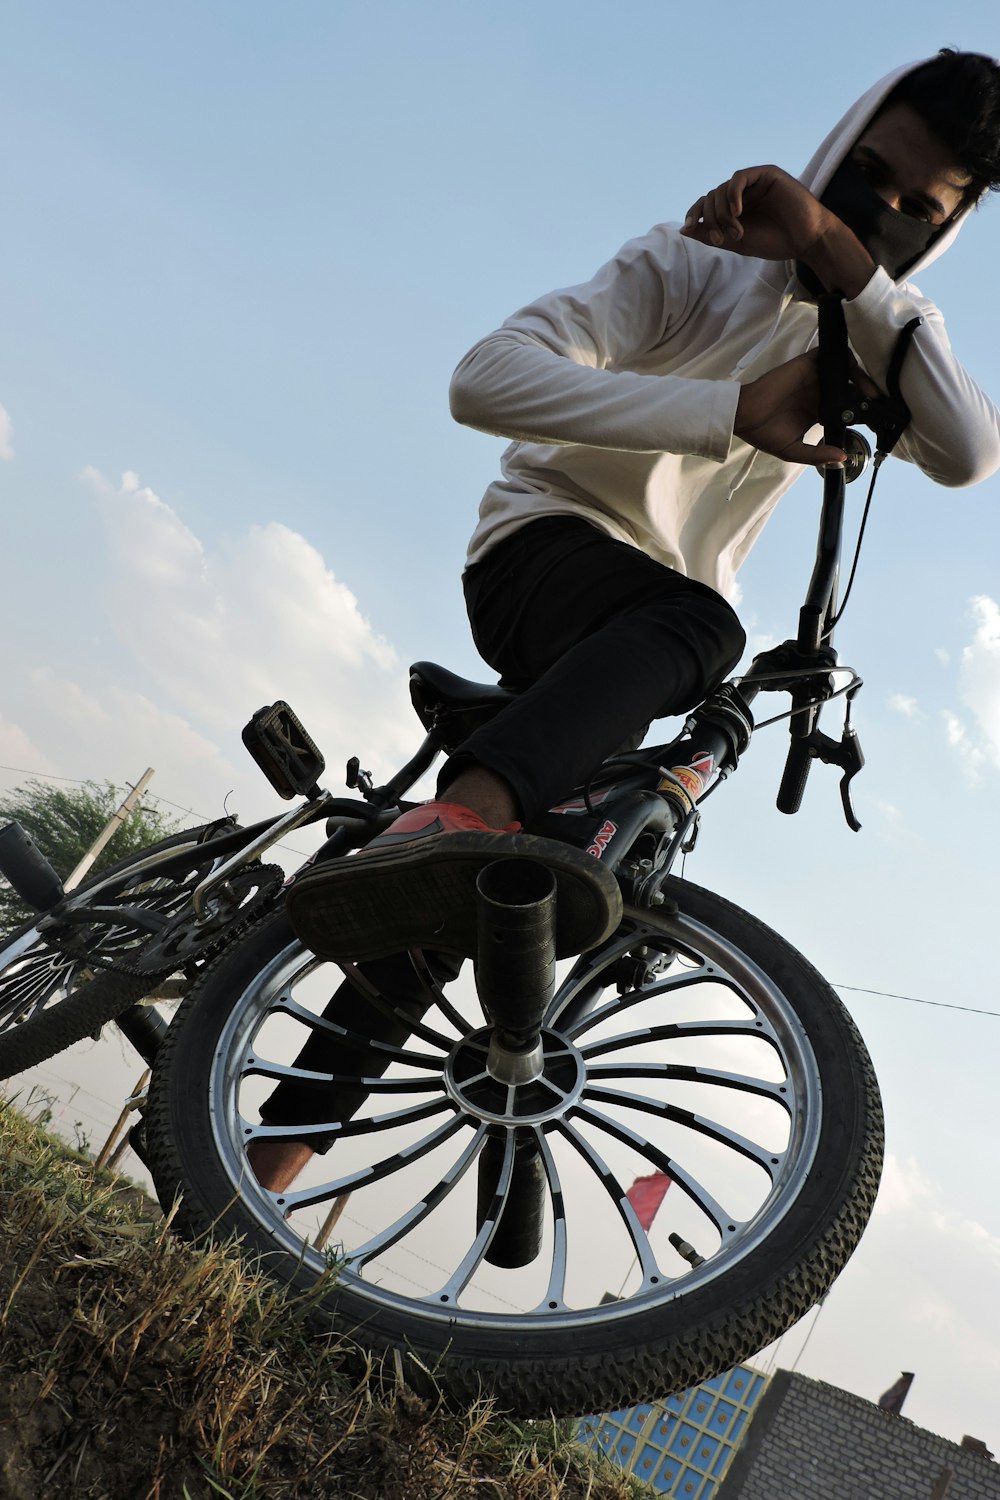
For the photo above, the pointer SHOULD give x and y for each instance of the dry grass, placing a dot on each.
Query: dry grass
(134, 1368)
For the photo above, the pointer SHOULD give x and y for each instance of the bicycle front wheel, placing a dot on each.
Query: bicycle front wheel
(695, 1062)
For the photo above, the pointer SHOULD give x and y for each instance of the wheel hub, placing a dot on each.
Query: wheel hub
(472, 1084)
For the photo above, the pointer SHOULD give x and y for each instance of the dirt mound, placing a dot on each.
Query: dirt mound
(134, 1368)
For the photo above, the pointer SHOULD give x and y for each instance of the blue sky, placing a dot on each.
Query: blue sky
(245, 245)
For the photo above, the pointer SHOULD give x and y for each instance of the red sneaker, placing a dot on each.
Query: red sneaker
(434, 817)
(415, 887)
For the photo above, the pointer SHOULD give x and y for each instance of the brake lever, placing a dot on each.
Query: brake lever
(845, 753)
(852, 747)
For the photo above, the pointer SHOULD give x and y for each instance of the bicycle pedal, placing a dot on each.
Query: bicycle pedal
(285, 752)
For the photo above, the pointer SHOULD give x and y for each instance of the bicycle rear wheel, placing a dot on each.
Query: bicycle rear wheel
(58, 976)
(695, 1048)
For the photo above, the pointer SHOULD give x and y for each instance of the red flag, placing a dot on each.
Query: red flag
(646, 1194)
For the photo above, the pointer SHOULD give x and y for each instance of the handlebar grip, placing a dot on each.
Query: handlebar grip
(794, 777)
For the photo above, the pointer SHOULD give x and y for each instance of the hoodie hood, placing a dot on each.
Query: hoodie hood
(842, 137)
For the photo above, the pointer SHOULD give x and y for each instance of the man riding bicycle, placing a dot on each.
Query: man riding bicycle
(657, 413)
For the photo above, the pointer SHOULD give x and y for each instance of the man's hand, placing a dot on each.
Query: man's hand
(760, 211)
(776, 410)
(763, 211)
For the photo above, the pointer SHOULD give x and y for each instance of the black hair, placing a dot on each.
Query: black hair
(957, 95)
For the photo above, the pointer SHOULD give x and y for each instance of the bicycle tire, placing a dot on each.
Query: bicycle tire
(664, 1330)
(51, 997)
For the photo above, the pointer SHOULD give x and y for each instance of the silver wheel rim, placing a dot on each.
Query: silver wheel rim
(37, 975)
(34, 976)
(622, 1108)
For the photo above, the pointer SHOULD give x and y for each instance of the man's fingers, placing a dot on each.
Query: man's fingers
(694, 213)
(815, 453)
(711, 216)
(724, 223)
(734, 200)
(692, 226)
(713, 219)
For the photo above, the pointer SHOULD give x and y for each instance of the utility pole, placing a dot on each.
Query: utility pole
(114, 822)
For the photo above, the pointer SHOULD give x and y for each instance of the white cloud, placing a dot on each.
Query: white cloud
(220, 630)
(904, 705)
(943, 656)
(758, 641)
(114, 733)
(188, 638)
(19, 753)
(911, 1205)
(6, 432)
(972, 757)
(976, 735)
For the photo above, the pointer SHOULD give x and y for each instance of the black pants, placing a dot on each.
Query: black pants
(599, 640)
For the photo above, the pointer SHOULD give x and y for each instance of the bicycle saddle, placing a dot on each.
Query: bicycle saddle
(453, 705)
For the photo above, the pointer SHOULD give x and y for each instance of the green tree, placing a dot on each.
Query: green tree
(64, 823)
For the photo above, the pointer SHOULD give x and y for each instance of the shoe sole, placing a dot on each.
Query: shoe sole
(423, 895)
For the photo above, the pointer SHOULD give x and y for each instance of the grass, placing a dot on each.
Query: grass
(133, 1367)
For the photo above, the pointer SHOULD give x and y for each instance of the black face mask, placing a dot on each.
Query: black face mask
(894, 241)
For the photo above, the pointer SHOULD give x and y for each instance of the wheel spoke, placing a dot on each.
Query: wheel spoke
(283, 1004)
(289, 1201)
(678, 1031)
(342, 1128)
(779, 1093)
(639, 996)
(651, 1273)
(257, 1067)
(473, 1258)
(392, 1012)
(435, 992)
(397, 1231)
(698, 1123)
(555, 1292)
(589, 973)
(699, 1195)
(25, 993)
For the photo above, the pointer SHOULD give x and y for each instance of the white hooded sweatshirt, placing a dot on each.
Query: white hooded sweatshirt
(621, 393)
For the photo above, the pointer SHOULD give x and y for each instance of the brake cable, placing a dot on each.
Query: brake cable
(888, 417)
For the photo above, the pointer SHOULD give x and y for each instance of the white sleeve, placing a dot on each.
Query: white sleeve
(558, 370)
(954, 432)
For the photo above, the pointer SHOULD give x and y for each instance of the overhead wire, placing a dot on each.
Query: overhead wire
(859, 989)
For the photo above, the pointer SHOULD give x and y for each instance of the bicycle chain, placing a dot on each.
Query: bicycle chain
(183, 940)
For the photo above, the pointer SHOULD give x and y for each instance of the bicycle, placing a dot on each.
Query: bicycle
(742, 1080)
(478, 1192)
